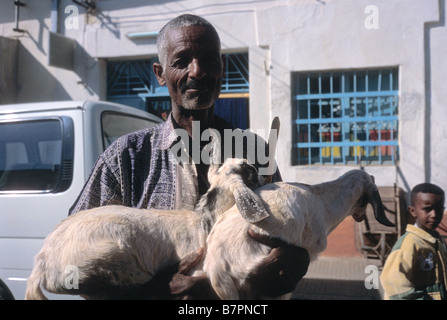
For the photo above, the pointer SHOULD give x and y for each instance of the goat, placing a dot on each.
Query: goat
(120, 247)
(299, 214)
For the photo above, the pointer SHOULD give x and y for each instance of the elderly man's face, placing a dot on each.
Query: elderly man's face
(193, 71)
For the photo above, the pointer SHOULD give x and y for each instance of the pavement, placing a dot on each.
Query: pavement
(341, 278)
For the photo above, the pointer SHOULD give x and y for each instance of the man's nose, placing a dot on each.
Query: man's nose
(196, 71)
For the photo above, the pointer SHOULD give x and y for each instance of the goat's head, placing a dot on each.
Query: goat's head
(234, 172)
(370, 195)
(240, 178)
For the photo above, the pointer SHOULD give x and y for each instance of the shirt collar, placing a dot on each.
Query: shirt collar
(423, 234)
(168, 134)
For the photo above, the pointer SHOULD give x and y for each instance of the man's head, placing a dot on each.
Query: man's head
(190, 62)
(427, 205)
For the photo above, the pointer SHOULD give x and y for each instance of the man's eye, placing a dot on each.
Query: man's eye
(181, 63)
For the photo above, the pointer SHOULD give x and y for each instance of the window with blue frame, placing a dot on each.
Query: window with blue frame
(345, 117)
(236, 73)
(132, 82)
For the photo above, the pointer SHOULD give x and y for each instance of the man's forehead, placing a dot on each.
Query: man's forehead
(190, 35)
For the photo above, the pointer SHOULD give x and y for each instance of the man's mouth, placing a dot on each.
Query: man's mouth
(192, 90)
(194, 87)
(193, 93)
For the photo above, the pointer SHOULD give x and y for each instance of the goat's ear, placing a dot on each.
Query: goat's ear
(249, 204)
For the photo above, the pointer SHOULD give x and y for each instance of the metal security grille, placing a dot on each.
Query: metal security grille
(236, 73)
(345, 117)
(134, 79)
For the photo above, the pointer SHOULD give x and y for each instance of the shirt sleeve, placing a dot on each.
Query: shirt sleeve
(102, 187)
(398, 276)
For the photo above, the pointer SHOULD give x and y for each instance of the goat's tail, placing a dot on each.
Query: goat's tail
(33, 289)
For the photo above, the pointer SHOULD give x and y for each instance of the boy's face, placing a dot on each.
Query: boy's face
(428, 210)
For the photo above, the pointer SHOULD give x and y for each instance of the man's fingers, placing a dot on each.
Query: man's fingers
(265, 239)
(190, 261)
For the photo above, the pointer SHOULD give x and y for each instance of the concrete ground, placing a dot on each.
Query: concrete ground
(339, 272)
(340, 278)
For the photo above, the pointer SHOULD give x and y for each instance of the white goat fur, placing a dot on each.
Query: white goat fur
(125, 246)
(300, 214)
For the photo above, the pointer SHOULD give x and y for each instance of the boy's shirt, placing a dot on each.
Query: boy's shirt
(416, 267)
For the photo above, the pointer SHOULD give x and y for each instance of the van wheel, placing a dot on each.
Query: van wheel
(5, 294)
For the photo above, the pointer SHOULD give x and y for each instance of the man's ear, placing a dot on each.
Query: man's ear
(412, 211)
(158, 70)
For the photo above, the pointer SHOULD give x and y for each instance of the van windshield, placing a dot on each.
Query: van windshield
(30, 155)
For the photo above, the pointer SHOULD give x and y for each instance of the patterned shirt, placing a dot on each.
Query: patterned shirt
(141, 170)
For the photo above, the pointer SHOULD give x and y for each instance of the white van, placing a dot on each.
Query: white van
(47, 151)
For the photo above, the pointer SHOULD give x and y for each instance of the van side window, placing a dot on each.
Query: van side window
(32, 155)
(115, 125)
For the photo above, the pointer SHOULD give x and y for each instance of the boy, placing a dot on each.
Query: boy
(416, 267)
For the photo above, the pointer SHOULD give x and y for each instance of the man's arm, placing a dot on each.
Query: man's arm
(276, 275)
(281, 270)
(173, 283)
(101, 188)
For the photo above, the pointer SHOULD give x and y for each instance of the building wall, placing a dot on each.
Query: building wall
(281, 37)
(8, 70)
(437, 99)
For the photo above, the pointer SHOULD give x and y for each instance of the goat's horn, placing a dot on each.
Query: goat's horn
(379, 210)
(274, 130)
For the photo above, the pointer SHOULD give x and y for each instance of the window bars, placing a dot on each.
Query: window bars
(134, 78)
(342, 118)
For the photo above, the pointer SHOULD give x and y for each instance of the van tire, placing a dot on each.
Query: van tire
(5, 294)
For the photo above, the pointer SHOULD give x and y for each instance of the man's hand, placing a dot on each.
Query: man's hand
(185, 287)
(281, 270)
(174, 282)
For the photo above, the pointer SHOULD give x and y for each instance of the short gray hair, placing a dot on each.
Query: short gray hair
(184, 20)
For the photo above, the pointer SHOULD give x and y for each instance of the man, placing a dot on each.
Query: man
(141, 170)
